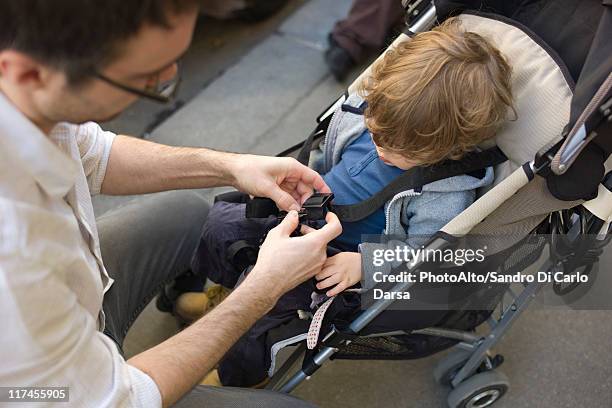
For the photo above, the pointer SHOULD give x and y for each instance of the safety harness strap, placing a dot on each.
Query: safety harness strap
(419, 176)
(307, 146)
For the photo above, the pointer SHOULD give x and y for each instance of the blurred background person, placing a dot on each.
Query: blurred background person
(246, 10)
(365, 30)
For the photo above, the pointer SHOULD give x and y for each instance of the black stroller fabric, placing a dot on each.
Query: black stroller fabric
(247, 362)
(579, 31)
(567, 26)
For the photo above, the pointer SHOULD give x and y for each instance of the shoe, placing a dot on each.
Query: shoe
(188, 282)
(212, 379)
(338, 60)
(190, 306)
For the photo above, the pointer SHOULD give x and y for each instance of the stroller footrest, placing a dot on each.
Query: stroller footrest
(338, 337)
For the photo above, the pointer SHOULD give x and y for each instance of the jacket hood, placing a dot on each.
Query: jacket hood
(463, 182)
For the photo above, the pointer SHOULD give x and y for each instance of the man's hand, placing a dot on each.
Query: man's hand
(342, 270)
(138, 166)
(282, 179)
(284, 262)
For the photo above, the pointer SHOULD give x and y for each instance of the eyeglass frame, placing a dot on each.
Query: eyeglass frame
(165, 95)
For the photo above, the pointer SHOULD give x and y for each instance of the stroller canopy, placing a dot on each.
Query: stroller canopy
(580, 32)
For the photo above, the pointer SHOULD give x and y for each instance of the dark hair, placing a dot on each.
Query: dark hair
(77, 35)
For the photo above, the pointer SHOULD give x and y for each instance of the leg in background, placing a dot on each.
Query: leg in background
(363, 31)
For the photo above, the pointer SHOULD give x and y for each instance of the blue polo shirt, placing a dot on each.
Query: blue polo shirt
(358, 176)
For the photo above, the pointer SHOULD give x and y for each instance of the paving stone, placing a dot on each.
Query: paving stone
(216, 46)
(313, 21)
(248, 100)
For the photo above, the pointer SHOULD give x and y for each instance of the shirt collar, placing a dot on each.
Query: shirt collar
(52, 168)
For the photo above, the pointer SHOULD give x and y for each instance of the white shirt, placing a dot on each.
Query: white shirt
(52, 279)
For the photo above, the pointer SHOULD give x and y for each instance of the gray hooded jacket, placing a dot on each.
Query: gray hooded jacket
(410, 216)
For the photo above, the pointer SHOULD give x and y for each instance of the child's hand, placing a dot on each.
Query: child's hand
(342, 270)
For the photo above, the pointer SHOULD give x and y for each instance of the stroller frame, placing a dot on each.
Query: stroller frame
(470, 369)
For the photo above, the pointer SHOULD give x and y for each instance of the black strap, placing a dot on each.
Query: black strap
(319, 132)
(242, 254)
(260, 207)
(233, 197)
(600, 122)
(304, 154)
(359, 110)
(419, 176)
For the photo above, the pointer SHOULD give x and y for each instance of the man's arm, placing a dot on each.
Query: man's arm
(180, 362)
(137, 166)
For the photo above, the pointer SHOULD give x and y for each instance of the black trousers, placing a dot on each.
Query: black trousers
(247, 362)
(145, 244)
(367, 26)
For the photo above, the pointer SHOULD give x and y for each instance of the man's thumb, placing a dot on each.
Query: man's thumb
(289, 223)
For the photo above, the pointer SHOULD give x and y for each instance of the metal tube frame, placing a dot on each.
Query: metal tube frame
(478, 345)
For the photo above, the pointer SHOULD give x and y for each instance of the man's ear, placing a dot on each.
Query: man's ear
(23, 70)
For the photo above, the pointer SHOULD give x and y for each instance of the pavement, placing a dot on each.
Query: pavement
(257, 88)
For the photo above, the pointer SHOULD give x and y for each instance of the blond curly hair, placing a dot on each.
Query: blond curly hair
(438, 95)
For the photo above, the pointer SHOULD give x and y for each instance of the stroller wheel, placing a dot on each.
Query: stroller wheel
(479, 391)
(447, 368)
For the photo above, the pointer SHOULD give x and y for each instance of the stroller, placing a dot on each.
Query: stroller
(555, 182)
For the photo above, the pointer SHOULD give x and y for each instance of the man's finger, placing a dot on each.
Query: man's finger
(330, 230)
(332, 260)
(283, 199)
(304, 191)
(296, 196)
(311, 178)
(288, 224)
(305, 229)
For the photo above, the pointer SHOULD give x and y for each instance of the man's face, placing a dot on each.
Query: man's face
(151, 54)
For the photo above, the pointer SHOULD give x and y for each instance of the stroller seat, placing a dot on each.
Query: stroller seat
(517, 205)
(542, 88)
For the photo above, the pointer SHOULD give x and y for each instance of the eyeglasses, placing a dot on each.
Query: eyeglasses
(162, 92)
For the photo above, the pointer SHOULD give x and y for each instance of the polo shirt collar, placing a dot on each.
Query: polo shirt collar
(51, 167)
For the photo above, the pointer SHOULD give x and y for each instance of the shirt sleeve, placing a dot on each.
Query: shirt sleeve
(94, 146)
(51, 339)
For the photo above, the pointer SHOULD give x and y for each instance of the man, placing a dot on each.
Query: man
(63, 64)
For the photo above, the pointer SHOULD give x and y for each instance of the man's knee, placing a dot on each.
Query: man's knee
(178, 214)
(223, 397)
